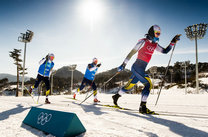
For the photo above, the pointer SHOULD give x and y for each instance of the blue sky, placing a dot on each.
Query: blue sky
(76, 31)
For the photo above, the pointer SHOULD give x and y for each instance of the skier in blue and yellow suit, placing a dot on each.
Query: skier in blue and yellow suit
(46, 66)
(89, 78)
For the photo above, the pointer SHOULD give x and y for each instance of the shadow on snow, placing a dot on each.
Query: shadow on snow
(6, 114)
(174, 126)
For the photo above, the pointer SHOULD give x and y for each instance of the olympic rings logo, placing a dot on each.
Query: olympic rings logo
(44, 118)
(151, 49)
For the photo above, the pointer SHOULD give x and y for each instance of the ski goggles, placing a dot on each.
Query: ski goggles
(51, 58)
(157, 33)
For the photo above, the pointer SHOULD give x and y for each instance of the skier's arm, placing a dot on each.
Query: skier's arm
(132, 52)
(168, 48)
(164, 50)
(42, 61)
(91, 68)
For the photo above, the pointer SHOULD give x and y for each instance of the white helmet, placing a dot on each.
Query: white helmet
(95, 60)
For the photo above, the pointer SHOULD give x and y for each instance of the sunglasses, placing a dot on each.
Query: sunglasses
(157, 33)
(51, 58)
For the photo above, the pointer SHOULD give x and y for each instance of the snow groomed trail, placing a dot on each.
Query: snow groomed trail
(180, 115)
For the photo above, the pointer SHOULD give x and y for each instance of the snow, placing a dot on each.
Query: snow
(181, 115)
(203, 80)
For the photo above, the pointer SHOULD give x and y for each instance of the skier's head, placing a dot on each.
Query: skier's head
(51, 56)
(154, 33)
(94, 61)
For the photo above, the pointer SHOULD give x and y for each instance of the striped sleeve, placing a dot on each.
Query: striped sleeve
(164, 50)
(136, 48)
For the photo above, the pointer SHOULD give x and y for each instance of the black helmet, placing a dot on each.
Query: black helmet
(155, 29)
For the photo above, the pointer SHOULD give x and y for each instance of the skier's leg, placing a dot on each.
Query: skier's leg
(148, 86)
(39, 78)
(47, 83)
(145, 93)
(94, 87)
(83, 84)
(145, 80)
(132, 81)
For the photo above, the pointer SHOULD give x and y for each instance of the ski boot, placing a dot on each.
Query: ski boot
(74, 96)
(47, 101)
(96, 100)
(115, 98)
(31, 91)
(144, 110)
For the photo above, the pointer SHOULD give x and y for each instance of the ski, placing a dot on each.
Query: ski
(127, 109)
(113, 106)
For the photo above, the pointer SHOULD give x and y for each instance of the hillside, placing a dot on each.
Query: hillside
(64, 72)
(12, 78)
(104, 76)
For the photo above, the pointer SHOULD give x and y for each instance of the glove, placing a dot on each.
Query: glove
(98, 65)
(46, 57)
(176, 38)
(122, 67)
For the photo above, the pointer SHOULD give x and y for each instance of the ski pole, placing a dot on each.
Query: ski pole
(86, 98)
(102, 86)
(110, 78)
(166, 71)
(31, 95)
(39, 93)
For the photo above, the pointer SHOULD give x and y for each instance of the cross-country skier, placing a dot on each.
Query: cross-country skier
(145, 48)
(46, 66)
(89, 78)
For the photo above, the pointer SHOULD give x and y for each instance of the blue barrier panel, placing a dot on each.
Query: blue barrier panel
(57, 123)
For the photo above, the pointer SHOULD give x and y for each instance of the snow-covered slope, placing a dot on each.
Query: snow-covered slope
(181, 115)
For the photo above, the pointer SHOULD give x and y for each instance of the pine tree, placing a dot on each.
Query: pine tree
(15, 54)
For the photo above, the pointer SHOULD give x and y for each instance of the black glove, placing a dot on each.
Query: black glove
(98, 65)
(122, 67)
(46, 57)
(176, 38)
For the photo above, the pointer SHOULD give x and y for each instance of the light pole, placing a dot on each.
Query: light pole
(53, 73)
(185, 64)
(185, 78)
(25, 37)
(153, 70)
(196, 31)
(72, 68)
(171, 76)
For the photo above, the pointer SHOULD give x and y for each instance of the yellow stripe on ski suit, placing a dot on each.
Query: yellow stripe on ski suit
(95, 92)
(129, 85)
(150, 82)
(47, 92)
